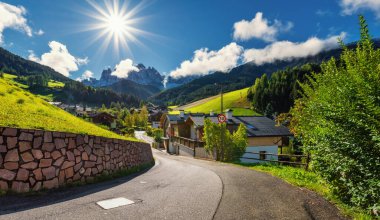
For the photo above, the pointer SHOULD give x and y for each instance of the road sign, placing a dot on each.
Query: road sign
(222, 118)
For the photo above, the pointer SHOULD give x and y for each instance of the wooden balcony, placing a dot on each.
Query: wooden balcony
(190, 143)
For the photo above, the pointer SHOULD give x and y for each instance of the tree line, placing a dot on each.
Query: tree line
(276, 94)
(76, 92)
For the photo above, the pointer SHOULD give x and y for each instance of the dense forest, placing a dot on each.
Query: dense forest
(76, 92)
(277, 93)
(132, 88)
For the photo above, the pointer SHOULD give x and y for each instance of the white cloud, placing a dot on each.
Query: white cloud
(259, 28)
(59, 58)
(205, 61)
(86, 75)
(351, 6)
(13, 17)
(124, 68)
(39, 32)
(323, 13)
(286, 50)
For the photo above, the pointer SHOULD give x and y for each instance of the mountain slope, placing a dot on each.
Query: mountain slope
(22, 109)
(16, 65)
(235, 100)
(132, 88)
(238, 78)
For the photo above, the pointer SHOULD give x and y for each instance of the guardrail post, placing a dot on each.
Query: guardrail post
(307, 161)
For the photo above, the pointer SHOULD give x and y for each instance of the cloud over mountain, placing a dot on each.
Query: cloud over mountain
(13, 17)
(59, 58)
(260, 28)
(287, 50)
(123, 69)
(205, 61)
(86, 75)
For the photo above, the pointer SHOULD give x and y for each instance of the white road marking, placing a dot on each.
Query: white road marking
(114, 203)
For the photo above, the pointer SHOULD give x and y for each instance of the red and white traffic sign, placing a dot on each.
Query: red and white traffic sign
(222, 118)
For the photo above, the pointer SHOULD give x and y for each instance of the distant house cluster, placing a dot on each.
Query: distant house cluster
(263, 134)
(75, 109)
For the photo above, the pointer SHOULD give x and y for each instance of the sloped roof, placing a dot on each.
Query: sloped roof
(256, 125)
(262, 126)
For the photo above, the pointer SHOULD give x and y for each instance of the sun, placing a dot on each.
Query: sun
(116, 24)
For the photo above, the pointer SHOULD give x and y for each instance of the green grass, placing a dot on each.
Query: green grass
(235, 100)
(22, 109)
(310, 180)
(55, 84)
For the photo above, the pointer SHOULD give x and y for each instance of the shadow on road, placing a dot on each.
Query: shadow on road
(16, 203)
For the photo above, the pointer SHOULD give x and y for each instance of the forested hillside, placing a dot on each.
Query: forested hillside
(277, 93)
(16, 65)
(238, 78)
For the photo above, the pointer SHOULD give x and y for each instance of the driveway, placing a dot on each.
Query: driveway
(177, 188)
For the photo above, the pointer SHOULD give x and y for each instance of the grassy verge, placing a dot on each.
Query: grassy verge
(22, 109)
(310, 180)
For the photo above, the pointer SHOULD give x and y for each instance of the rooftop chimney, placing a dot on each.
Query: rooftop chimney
(181, 113)
(211, 113)
(229, 114)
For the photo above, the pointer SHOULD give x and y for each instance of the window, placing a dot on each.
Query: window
(262, 155)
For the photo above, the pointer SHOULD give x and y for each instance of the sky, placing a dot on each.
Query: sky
(178, 38)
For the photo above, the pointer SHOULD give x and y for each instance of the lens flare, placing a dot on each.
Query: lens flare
(115, 24)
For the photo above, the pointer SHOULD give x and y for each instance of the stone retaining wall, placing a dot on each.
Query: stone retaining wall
(33, 159)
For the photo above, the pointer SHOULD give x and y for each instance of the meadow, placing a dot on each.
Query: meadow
(21, 109)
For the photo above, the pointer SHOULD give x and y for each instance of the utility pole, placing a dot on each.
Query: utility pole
(221, 112)
(221, 98)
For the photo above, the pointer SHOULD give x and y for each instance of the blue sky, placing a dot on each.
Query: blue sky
(180, 32)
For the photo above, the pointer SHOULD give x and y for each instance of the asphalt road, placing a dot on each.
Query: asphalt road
(177, 188)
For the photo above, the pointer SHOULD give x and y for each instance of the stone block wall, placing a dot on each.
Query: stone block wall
(34, 159)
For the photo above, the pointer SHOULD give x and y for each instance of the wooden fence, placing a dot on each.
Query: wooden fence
(191, 143)
(282, 158)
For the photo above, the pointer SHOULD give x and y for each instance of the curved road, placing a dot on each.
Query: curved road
(177, 188)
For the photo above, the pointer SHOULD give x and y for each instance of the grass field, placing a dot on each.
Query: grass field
(310, 180)
(235, 100)
(22, 109)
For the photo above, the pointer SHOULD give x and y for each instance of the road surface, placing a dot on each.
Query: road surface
(177, 188)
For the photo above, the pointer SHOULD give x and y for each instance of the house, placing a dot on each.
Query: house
(263, 135)
(154, 118)
(104, 118)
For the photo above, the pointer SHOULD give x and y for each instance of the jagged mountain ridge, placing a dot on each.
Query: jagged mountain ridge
(144, 76)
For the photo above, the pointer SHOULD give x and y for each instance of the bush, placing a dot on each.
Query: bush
(338, 118)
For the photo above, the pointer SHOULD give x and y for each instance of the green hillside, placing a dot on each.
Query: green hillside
(235, 100)
(22, 109)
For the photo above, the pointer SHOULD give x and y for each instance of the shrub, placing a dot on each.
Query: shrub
(20, 101)
(227, 146)
(338, 118)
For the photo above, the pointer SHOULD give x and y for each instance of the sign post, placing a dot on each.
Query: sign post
(222, 118)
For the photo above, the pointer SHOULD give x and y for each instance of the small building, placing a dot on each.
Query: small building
(263, 135)
(154, 118)
(104, 118)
